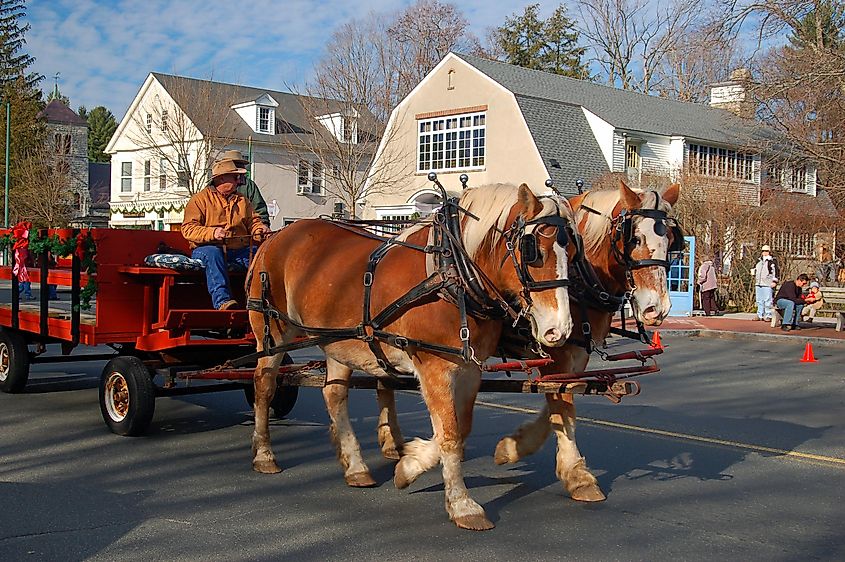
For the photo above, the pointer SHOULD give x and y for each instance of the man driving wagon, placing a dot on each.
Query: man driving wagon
(220, 223)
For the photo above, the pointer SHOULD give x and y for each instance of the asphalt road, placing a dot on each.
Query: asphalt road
(735, 451)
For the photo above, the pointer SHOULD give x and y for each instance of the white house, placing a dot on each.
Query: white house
(164, 145)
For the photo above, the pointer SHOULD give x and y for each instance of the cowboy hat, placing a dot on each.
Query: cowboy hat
(223, 167)
(235, 156)
(765, 248)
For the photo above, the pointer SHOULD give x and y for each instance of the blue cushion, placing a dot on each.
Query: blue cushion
(174, 261)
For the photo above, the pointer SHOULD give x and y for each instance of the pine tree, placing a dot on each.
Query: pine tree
(101, 127)
(561, 54)
(550, 45)
(15, 62)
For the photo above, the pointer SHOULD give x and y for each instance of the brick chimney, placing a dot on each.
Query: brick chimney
(733, 95)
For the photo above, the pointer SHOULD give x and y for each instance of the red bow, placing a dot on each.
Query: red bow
(80, 246)
(20, 233)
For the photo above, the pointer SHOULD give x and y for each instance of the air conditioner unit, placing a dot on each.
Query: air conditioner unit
(302, 189)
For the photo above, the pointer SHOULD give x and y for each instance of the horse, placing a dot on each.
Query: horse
(628, 238)
(307, 280)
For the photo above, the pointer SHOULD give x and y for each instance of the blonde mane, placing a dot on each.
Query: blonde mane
(597, 227)
(492, 205)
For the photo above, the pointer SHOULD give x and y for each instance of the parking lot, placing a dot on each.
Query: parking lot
(734, 451)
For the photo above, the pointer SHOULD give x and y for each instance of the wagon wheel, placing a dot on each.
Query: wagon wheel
(14, 361)
(283, 401)
(127, 396)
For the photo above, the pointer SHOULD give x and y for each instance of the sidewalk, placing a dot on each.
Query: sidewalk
(743, 325)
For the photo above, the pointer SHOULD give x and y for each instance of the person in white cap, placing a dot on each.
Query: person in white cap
(219, 223)
(765, 280)
(813, 302)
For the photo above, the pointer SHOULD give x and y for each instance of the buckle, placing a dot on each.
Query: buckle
(368, 279)
(464, 334)
(400, 342)
(586, 329)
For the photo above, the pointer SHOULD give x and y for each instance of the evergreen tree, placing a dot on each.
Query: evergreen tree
(821, 28)
(15, 62)
(550, 45)
(562, 55)
(101, 127)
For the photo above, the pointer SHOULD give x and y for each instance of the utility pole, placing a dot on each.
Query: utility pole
(8, 142)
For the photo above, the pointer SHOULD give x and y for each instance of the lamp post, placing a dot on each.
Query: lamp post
(8, 142)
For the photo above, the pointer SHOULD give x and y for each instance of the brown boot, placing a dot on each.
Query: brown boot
(226, 305)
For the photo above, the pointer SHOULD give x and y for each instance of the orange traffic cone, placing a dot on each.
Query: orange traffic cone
(808, 354)
(655, 341)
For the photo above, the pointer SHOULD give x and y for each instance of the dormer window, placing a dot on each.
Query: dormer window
(265, 120)
(344, 126)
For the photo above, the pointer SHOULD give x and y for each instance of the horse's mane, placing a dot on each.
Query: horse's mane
(492, 205)
(604, 200)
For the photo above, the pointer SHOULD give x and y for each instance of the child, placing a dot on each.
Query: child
(814, 300)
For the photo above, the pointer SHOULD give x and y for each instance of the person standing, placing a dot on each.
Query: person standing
(707, 284)
(790, 298)
(765, 280)
(218, 223)
(248, 188)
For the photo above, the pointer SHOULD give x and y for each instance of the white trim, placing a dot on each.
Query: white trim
(127, 117)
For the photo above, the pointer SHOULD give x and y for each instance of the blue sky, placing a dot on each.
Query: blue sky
(103, 49)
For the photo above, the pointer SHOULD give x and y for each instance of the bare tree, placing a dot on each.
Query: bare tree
(800, 87)
(696, 61)
(630, 39)
(185, 129)
(43, 194)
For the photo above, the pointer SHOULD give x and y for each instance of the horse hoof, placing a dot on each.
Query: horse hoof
(474, 522)
(360, 480)
(391, 454)
(266, 467)
(506, 451)
(590, 493)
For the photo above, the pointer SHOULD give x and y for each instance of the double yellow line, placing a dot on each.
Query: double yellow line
(684, 436)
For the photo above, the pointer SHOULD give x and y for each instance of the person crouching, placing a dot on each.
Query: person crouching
(219, 223)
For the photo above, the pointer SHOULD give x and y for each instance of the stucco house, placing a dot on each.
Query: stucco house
(163, 148)
(502, 123)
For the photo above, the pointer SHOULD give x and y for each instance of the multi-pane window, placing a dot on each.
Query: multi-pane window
(349, 126)
(126, 177)
(164, 120)
(721, 162)
(799, 179)
(632, 156)
(452, 143)
(310, 177)
(264, 119)
(149, 122)
(162, 173)
(182, 174)
(148, 175)
(796, 244)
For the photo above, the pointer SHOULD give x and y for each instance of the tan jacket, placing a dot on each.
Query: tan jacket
(208, 209)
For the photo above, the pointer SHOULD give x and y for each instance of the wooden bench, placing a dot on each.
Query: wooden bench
(832, 296)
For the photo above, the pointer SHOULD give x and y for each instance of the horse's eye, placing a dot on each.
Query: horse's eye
(660, 228)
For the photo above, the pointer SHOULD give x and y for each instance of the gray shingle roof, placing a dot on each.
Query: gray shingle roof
(563, 137)
(622, 108)
(58, 112)
(290, 114)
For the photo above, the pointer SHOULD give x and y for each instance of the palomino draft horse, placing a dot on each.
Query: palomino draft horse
(328, 281)
(627, 240)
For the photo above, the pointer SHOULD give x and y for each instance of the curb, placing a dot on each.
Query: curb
(754, 336)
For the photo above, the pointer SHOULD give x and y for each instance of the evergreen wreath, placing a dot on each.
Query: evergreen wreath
(82, 245)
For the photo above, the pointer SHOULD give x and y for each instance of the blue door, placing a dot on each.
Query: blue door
(682, 279)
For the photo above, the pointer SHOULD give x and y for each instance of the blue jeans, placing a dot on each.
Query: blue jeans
(791, 311)
(764, 302)
(25, 289)
(216, 276)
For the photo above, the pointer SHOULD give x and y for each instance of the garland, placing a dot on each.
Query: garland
(82, 246)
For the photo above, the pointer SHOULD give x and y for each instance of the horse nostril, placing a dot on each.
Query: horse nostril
(552, 335)
(650, 313)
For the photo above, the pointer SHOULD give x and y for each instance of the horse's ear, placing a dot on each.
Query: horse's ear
(627, 196)
(575, 202)
(672, 193)
(528, 201)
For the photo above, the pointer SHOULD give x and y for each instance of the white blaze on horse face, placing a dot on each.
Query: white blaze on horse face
(652, 287)
(554, 325)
